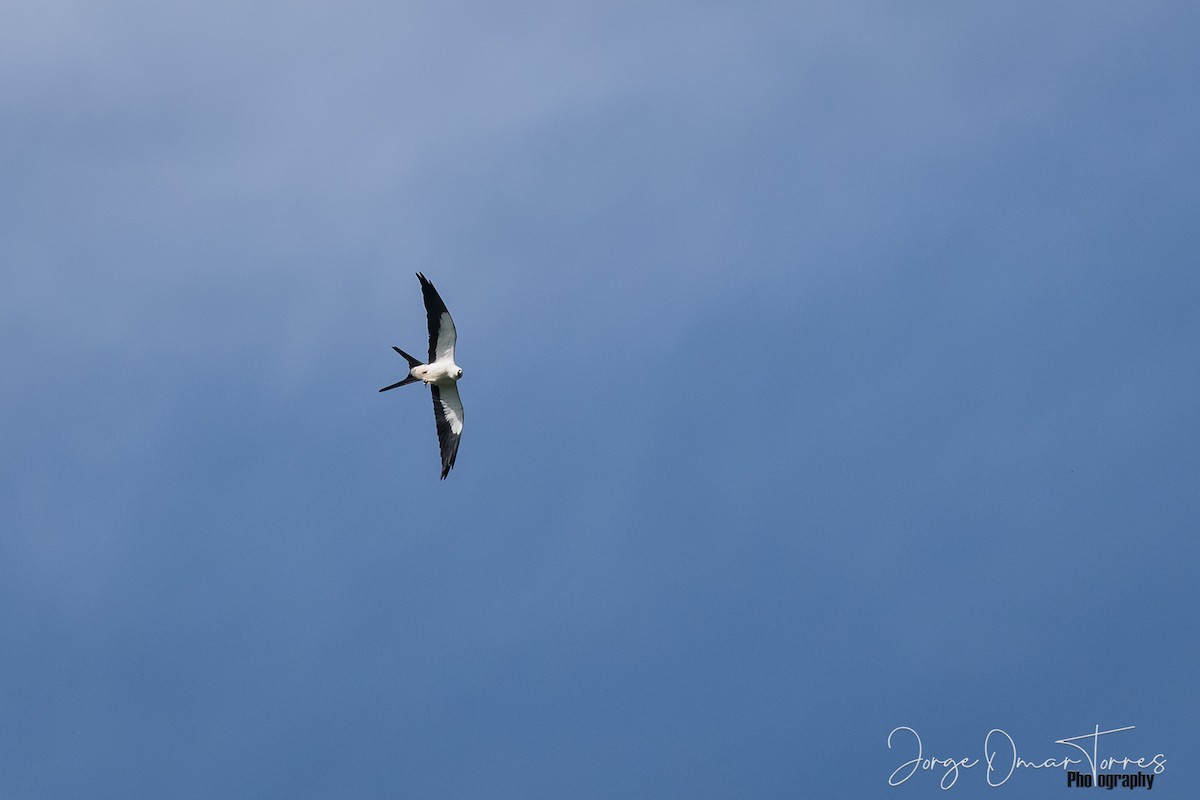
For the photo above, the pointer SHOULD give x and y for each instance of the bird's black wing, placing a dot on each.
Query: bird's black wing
(448, 411)
(441, 327)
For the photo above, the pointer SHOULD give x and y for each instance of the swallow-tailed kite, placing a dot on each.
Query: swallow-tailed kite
(440, 373)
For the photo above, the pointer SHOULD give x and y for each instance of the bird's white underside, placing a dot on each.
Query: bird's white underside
(443, 372)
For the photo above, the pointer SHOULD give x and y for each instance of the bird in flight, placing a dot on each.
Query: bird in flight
(441, 374)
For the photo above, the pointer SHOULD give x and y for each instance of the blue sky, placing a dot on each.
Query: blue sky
(830, 368)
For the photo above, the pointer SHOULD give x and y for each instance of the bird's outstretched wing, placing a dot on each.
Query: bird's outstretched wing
(441, 327)
(448, 411)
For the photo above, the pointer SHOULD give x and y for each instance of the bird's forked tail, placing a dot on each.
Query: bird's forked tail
(412, 362)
